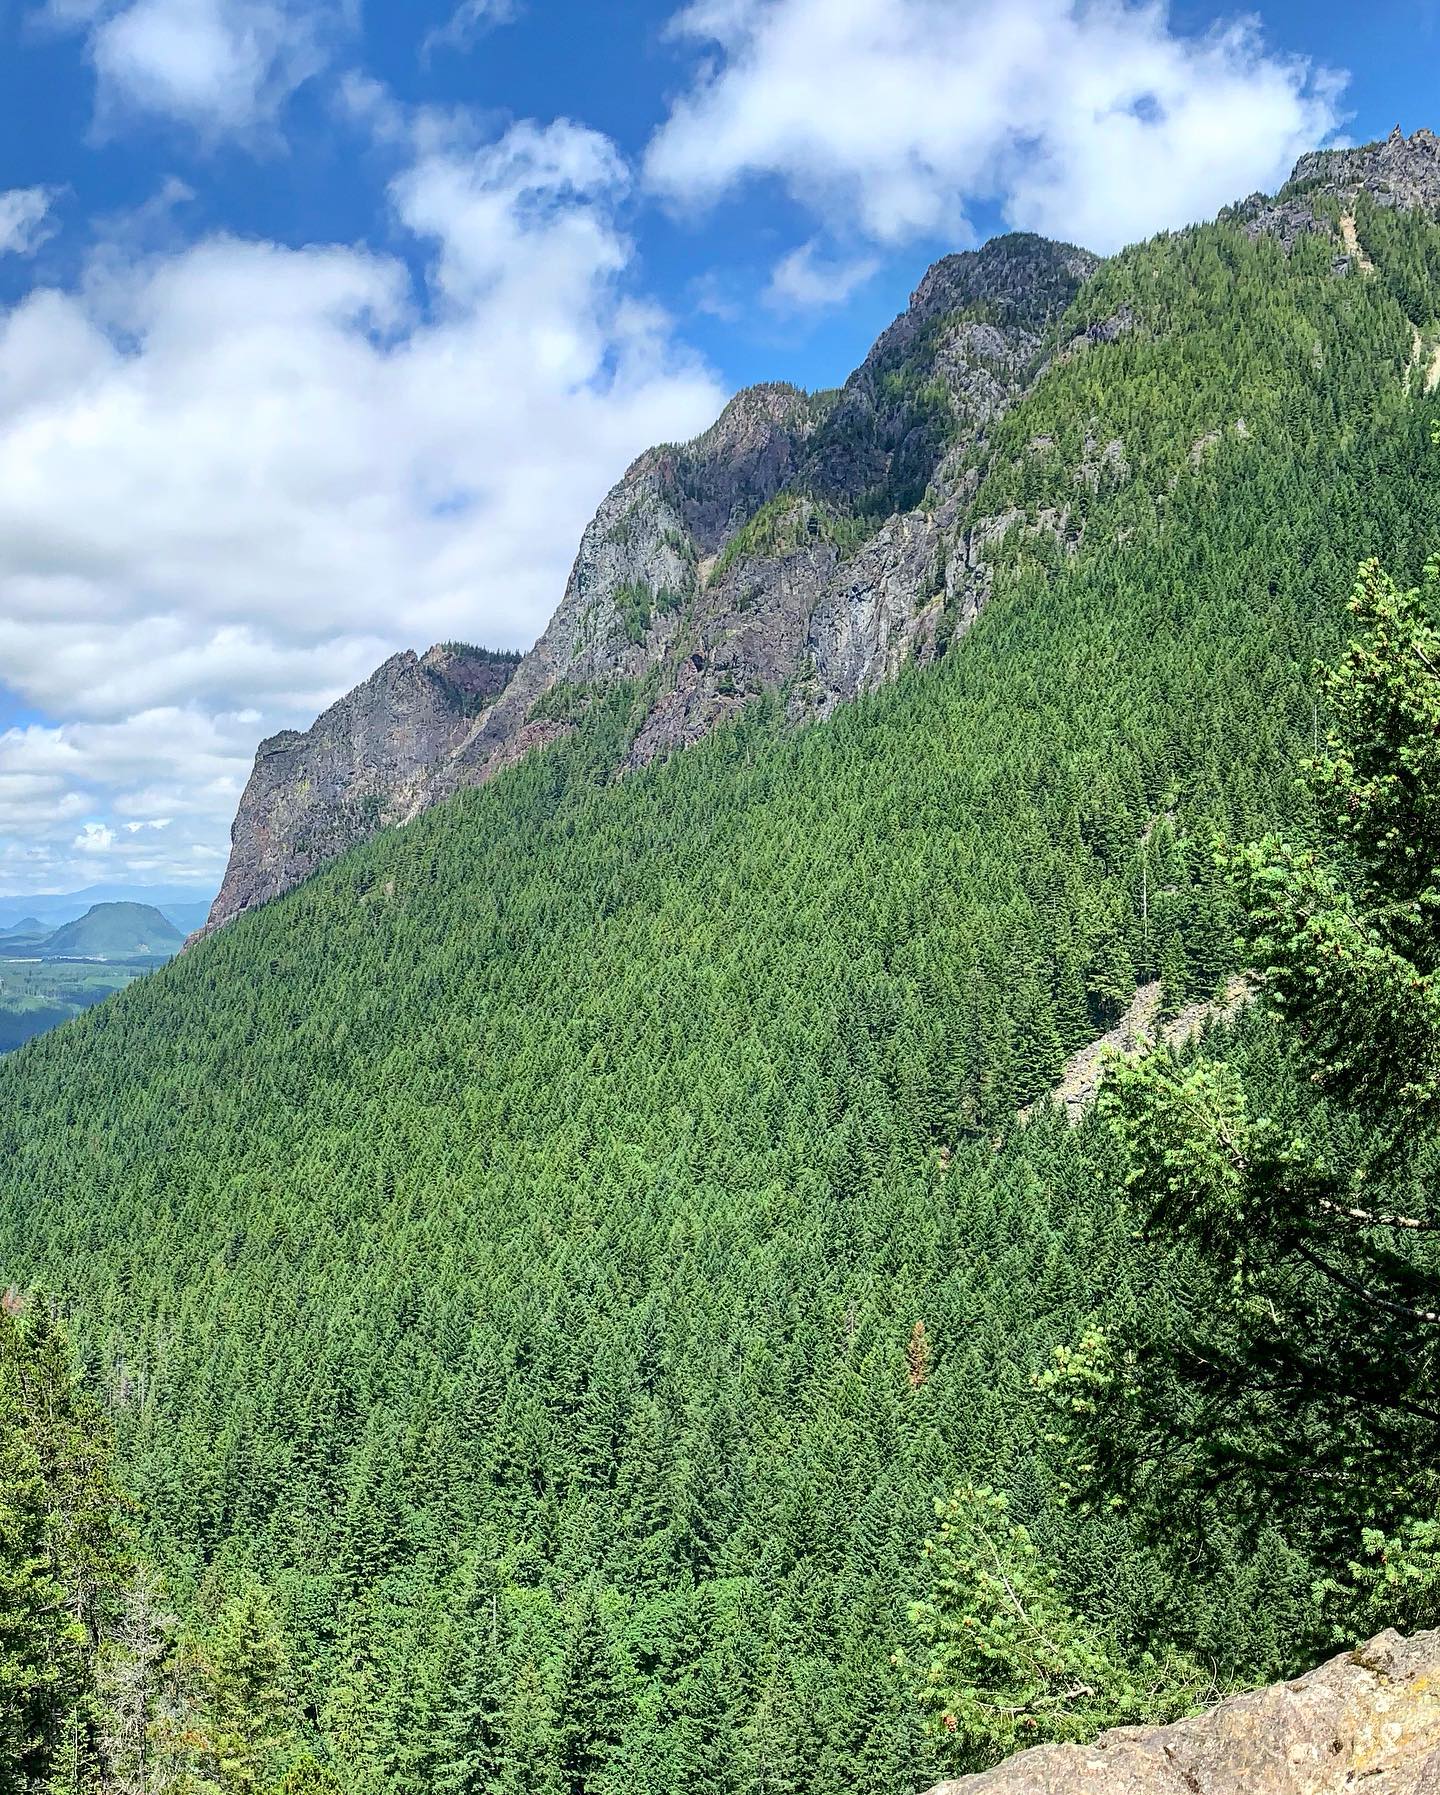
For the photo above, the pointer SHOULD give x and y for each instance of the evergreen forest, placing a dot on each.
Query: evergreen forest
(534, 1282)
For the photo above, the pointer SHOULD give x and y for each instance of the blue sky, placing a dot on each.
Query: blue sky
(325, 323)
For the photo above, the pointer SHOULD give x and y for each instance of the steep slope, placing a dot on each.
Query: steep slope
(806, 544)
(510, 1245)
(115, 932)
(784, 550)
(360, 766)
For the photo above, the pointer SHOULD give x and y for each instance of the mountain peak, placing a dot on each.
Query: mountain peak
(1020, 278)
(1398, 171)
(785, 549)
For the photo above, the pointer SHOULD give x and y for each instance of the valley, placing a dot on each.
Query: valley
(49, 975)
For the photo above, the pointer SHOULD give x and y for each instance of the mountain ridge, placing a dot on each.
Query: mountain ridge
(805, 543)
(784, 547)
(563, 1247)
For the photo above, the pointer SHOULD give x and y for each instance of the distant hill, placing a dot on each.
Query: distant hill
(115, 932)
(50, 909)
(28, 928)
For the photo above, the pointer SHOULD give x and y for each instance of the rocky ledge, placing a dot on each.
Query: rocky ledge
(1369, 1719)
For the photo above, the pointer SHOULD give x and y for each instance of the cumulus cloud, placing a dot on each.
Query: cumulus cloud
(805, 280)
(95, 838)
(1096, 122)
(234, 477)
(24, 219)
(220, 66)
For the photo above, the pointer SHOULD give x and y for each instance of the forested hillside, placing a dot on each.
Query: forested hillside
(559, 1252)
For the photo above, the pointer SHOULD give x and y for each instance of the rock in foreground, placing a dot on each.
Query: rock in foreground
(1369, 1719)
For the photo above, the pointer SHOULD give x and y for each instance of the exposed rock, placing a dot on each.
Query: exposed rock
(360, 766)
(1402, 172)
(786, 549)
(1139, 1029)
(1369, 1719)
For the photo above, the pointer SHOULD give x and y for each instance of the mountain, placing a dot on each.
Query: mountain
(807, 544)
(187, 917)
(51, 909)
(29, 927)
(784, 550)
(557, 1253)
(364, 764)
(115, 932)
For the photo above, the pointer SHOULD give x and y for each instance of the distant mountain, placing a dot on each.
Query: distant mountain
(186, 917)
(28, 928)
(115, 932)
(51, 909)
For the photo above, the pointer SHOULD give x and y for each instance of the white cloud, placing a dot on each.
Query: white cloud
(220, 66)
(805, 280)
(1095, 122)
(24, 219)
(234, 477)
(469, 21)
(95, 838)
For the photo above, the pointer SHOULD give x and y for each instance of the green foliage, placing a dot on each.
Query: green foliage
(509, 1246)
(63, 1550)
(564, 702)
(636, 605)
(38, 996)
(786, 523)
(1008, 1661)
(1292, 1190)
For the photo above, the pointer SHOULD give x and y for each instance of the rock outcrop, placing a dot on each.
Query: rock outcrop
(807, 544)
(1401, 172)
(786, 549)
(361, 765)
(1368, 1720)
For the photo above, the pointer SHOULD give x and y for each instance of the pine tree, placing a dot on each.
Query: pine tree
(1294, 1186)
(41, 1649)
(590, 1708)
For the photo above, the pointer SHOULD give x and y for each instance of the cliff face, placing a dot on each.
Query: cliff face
(787, 547)
(810, 544)
(1369, 1719)
(359, 767)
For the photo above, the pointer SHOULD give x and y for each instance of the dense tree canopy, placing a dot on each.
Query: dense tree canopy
(543, 1270)
(1291, 1191)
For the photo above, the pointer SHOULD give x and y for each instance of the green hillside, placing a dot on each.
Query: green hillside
(561, 1250)
(115, 932)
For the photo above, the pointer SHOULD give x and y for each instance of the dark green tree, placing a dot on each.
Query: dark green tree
(1294, 1191)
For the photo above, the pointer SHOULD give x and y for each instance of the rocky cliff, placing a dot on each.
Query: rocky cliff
(1369, 1720)
(1401, 173)
(361, 765)
(807, 544)
(787, 548)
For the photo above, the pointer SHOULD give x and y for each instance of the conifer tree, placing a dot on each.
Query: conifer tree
(41, 1662)
(1300, 1201)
